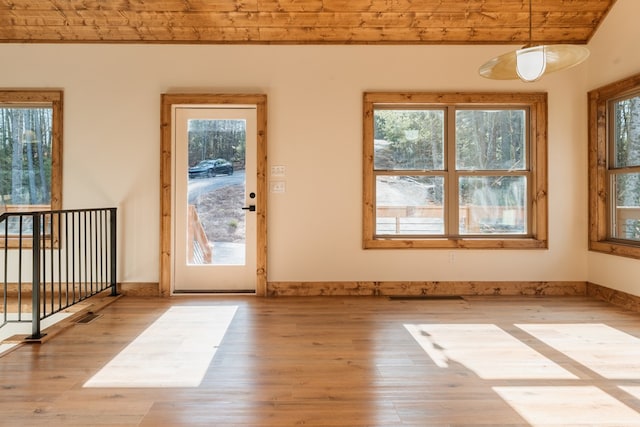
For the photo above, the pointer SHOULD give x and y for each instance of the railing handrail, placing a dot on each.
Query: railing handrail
(49, 211)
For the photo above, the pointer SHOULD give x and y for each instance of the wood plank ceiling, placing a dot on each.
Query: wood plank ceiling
(300, 21)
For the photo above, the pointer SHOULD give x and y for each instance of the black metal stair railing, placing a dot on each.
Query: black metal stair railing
(58, 258)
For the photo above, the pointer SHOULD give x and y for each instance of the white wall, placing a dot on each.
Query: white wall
(111, 148)
(615, 56)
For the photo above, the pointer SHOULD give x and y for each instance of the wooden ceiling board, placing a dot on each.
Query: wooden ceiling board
(301, 21)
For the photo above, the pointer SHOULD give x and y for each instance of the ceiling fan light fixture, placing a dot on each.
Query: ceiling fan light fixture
(531, 63)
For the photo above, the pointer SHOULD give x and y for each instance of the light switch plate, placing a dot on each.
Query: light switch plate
(278, 170)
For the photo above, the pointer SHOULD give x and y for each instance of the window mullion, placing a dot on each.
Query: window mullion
(451, 179)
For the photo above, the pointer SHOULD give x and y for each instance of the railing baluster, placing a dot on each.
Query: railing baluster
(94, 251)
(112, 252)
(65, 243)
(44, 222)
(72, 244)
(101, 238)
(6, 263)
(20, 222)
(84, 240)
(43, 263)
(56, 244)
(90, 252)
(35, 279)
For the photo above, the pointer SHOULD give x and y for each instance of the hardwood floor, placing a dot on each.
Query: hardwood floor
(348, 361)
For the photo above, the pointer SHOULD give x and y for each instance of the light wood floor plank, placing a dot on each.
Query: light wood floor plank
(327, 361)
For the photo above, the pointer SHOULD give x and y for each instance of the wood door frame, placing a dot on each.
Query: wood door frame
(168, 101)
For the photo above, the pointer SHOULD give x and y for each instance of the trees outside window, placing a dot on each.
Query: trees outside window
(446, 170)
(213, 139)
(30, 150)
(614, 168)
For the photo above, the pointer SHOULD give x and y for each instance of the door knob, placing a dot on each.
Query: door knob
(250, 208)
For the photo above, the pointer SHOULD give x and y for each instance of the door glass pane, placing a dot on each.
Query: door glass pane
(409, 205)
(492, 205)
(627, 206)
(216, 192)
(409, 139)
(490, 140)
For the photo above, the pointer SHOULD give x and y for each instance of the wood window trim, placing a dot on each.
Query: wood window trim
(599, 239)
(54, 99)
(537, 105)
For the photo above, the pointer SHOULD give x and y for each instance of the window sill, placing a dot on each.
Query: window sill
(457, 243)
(609, 247)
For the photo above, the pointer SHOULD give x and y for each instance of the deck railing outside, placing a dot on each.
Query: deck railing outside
(52, 260)
(426, 220)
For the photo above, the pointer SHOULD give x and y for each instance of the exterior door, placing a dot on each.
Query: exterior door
(214, 200)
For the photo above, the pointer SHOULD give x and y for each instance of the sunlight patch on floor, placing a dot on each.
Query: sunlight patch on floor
(175, 351)
(601, 348)
(632, 390)
(568, 406)
(485, 349)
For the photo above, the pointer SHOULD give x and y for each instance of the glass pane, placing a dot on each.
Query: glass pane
(216, 192)
(490, 140)
(627, 132)
(409, 205)
(493, 205)
(25, 157)
(408, 139)
(627, 208)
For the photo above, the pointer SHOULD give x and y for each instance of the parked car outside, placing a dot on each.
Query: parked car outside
(211, 168)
